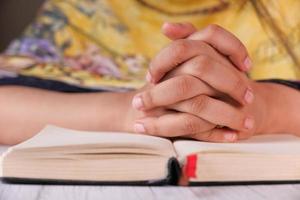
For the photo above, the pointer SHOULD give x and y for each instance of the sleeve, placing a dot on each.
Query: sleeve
(289, 83)
(35, 82)
(60, 46)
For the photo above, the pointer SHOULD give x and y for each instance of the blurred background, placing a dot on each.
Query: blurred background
(15, 15)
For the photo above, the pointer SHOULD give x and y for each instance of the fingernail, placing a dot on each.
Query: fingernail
(165, 24)
(137, 102)
(249, 123)
(230, 137)
(249, 96)
(248, 63)
(148, 77)
(139, 128)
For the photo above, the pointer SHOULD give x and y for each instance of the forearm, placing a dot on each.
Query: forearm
(25, 111)
(283, 108)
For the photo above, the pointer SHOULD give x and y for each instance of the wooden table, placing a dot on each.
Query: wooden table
(47, 192)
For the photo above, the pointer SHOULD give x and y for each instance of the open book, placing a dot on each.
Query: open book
(58, 155)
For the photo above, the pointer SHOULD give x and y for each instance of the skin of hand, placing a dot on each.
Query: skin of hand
(199, 81)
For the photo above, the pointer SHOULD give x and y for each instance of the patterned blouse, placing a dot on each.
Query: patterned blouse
(92, 45)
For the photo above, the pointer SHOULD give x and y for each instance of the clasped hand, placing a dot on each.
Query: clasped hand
(198, 88)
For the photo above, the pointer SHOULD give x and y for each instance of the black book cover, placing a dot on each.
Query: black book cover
(172, 178)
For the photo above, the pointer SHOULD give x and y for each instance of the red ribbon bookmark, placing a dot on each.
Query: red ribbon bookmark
(190, 167)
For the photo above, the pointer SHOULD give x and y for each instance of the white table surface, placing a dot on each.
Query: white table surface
(46, 192)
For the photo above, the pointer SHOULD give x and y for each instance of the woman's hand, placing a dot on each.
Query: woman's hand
(199, 106)
(200, 89)
(198, 116)
(158, 116)
(220, 39)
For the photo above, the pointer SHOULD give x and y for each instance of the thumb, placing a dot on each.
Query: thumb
(176, 31)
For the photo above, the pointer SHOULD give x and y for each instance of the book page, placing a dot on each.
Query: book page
(263, 144)
(53, 136)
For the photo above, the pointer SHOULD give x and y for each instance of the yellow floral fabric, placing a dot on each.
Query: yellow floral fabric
(109, 43)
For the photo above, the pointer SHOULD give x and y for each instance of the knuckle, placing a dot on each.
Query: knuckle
(210, 136)
(202, 65)
(156, 68)
(152, 128)
(201, 45)
(183, 84)
(238, 88)
(189, 126)
(198, 104)
(148, 100)
(234, 118)
(179, 47)
(212, 30)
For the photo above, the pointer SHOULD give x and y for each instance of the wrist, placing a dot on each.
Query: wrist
(265, 105)
(130, 114)
(111, 111)
(279, 106)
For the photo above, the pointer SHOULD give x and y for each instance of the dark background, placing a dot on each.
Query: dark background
(15, 15)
